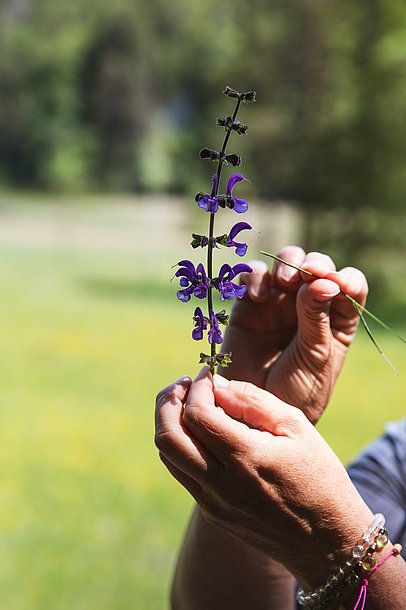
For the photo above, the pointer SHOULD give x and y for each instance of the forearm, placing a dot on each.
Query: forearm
(217, 571)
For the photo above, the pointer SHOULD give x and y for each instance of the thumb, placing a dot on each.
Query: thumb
(218, 433)
(200, 395)
(313, 312)
(256, 407)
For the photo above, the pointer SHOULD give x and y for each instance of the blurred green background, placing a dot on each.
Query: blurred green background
(103, 109)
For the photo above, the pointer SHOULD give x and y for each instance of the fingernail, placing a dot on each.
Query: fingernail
(286, 273)
(330, 295)
(219, 381)
(259, 292)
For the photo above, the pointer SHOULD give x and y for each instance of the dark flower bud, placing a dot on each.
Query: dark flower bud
(222, 240)
(231, 92)
(223, 359)
(226, 122)
(209, 153)
(248, 96)
(222, 317)
(234, 159)
(222, 201)
(206, 359)
(240, 128)
(199, 241)
(229, 124)
(221, 121)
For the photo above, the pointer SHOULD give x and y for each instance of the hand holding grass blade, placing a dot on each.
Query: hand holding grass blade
(360, 309)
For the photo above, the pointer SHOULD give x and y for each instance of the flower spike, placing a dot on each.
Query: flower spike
(198, 281)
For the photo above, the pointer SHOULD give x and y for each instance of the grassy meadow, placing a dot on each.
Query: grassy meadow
(90, 331)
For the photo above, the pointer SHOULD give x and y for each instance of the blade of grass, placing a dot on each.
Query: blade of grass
(358, 309)
(374, 317)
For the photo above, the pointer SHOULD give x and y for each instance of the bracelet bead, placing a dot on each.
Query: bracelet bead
(373, 539)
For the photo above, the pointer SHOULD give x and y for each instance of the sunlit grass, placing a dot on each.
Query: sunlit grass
(89, 518)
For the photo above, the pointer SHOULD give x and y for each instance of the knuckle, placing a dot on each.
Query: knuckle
(294, 421)
(190, 414)
(161, 397)
(163, 441)
(244, 389)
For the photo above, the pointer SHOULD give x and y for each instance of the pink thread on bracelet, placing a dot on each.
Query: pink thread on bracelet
(362, 598)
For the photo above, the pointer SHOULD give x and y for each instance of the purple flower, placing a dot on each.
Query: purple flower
(240, 248)
(214, 335)
(238, 205)
(209, 202)
(193, 280)
(200, 324)
(228, 290)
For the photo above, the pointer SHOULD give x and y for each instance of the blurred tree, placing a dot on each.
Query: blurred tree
(122, 96)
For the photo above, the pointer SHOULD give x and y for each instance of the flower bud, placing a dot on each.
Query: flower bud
(222, 240)
(234, 159)
(248, 96)
(240, 128)
(222, 317)
(209, 153)
(231, 92)
(199, 241)
(231, 125)
(223, 359)
(206, 359)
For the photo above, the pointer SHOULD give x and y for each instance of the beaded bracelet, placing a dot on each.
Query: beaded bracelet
(373, 539)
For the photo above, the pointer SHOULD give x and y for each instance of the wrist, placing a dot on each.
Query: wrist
(334, 543)
(370, 553)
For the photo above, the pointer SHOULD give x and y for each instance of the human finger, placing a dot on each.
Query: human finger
(318, 264)
(257, 281)
(344, 316)
(256, 407)
(171, 438)
(352, 282)
(211, 426)
(284, 275)
(313, 307)
(313, 304)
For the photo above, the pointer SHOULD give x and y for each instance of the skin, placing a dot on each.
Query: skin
(289, 335)
(261, 472)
